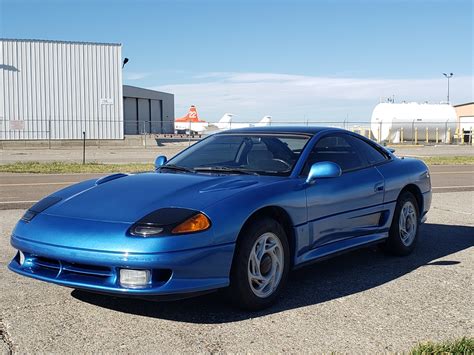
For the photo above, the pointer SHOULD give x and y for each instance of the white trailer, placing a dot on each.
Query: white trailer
(393, 122)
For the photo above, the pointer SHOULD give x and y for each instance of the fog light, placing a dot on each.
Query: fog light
(134, 278)
(22, 258)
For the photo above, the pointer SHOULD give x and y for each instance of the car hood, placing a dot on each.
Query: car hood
(127, 198)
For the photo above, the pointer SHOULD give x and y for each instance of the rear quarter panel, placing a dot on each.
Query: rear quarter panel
(399, 173)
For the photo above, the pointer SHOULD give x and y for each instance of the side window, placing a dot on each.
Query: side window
(339, 149)
(371, 153)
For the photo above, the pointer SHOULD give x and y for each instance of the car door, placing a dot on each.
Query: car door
(349, 205)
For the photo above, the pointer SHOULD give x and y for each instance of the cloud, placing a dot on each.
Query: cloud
(299, 97)
(136, 76)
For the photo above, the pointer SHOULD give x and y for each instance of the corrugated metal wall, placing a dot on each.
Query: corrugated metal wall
(57, 90)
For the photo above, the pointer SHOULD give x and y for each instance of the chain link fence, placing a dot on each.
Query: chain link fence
(53, 129)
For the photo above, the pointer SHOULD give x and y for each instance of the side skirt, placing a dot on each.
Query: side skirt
(332, 249)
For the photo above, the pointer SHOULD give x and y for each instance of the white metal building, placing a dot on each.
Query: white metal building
(58, 90)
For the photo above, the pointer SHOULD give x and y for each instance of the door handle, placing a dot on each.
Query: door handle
(379, 187)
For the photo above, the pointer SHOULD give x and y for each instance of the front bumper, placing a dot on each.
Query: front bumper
(182, 272)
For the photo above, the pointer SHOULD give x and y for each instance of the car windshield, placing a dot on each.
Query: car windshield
(241, 153)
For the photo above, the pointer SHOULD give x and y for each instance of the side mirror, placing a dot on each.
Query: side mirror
(161, 160)
(323, 170)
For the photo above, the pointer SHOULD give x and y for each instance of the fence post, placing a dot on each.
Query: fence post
(448, 136)
(49, 133)
(378, 135)
(416, 135)
(83, 147)
(427, 135)
(401, 135)
(437, 135)
(144, 132)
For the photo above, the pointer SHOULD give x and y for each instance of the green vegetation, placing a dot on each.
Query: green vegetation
(94, 167)
(63, 168)
(462, 346)
(447, 160)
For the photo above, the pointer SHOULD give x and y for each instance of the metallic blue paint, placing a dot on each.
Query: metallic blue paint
(81, 241)
(323, 170)
(159, 161)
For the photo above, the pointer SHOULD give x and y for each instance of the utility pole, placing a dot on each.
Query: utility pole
(448, 76)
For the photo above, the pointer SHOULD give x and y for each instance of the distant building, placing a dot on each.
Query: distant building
(465, 115)
(58, 90)
(147, 111)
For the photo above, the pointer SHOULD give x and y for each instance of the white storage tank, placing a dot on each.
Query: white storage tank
(390, 121)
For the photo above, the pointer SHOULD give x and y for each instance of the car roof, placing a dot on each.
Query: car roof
(281, 129)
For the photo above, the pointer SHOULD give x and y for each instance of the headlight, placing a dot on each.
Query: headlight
(39, 207)
(166, 221)
(145, 230)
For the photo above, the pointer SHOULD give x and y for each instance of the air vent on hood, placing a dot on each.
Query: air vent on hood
(109, 178)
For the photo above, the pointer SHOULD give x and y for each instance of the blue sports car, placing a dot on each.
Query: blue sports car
(236, 211)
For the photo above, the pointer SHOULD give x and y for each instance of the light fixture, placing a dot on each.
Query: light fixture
(134, 278)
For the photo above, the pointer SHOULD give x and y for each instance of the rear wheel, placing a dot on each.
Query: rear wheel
(261, 265)
(403, 233)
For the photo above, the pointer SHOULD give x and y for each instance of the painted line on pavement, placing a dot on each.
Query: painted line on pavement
(41, 183)
(451, 172)
(453, 187)
(10, 202)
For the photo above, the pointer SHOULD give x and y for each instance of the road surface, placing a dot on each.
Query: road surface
(23, 190)
(361, 302)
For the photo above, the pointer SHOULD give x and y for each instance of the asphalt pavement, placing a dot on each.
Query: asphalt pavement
(23, 190)
(361, 302)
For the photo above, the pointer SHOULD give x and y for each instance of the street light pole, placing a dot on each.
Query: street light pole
(448, 76)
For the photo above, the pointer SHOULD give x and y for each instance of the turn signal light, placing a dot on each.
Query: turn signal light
(196, 223)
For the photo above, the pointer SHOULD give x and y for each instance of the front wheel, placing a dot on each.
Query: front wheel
(261, 265)
(404, 229)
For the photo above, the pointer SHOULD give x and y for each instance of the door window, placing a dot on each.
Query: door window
(373, 155)
(340, 149)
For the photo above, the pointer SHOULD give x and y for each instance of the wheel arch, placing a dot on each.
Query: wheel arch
(280, 215)
(415, 191)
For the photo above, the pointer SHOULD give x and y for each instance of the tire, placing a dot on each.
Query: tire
(404, 230)
(256, 285)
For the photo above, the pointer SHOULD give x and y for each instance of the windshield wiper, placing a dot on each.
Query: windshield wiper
(225, 169)
(176, 167)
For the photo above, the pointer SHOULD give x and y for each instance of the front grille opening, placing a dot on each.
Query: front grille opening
(46, 263)
(93, 268)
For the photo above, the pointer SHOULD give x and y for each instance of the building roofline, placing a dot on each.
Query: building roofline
(59, 41)
(128, 89)
(465, 104)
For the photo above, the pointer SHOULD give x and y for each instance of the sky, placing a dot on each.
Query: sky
(295, 60)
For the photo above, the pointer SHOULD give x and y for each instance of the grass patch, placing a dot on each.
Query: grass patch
(57, 167)
(447, 160)
(463, 346)
(63, 168)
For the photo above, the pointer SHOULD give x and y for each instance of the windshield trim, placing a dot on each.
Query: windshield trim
(288, 173)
